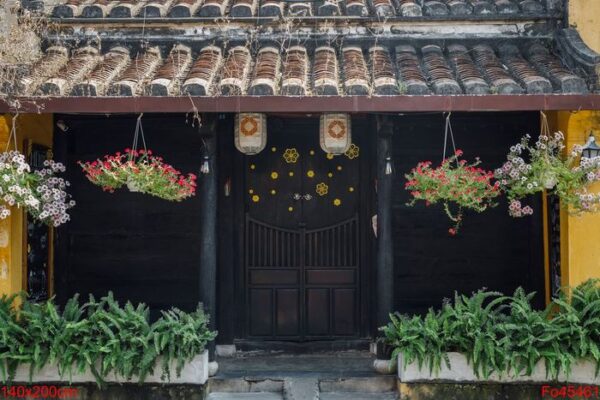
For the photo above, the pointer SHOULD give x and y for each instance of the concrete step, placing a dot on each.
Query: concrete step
(373, 384)
(244, 385)
(282, 365)
(245, 396)
(358, 396)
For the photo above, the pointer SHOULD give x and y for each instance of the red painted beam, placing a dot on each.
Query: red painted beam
(314, 104)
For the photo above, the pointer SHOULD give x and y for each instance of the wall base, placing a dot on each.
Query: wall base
(126, 391)
(458, 391)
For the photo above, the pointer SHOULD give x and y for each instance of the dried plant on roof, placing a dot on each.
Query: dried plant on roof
(20, 33)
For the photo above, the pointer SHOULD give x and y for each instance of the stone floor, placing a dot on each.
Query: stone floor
(347, 375)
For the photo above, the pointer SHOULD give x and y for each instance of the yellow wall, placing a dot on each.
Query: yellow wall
(585, 16)
(38, 129)
(580, 235)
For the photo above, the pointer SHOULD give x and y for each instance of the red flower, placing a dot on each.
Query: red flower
(452, 231)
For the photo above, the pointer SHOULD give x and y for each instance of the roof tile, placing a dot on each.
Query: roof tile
(300, 70)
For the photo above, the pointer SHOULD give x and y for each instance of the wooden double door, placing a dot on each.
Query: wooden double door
(302, 238)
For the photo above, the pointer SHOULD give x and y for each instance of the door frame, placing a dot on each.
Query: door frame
(362, 125)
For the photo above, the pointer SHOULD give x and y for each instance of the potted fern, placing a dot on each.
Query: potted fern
(42, 343)
(492, 338)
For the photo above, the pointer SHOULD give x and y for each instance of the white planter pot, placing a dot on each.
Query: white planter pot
(193, 372)
(460, 370)
(132, 186)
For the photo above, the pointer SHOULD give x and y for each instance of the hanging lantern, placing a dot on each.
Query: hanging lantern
(335, 133)
(250, 132)
(591, 148)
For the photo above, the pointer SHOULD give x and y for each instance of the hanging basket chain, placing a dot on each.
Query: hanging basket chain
(448, 129)
(455, 217)
(13, 134)
(139, 131)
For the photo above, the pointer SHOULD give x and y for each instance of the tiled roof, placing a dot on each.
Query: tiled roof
(393, 68)
(299, 8)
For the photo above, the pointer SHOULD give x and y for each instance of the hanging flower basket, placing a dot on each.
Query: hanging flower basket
(142, 172)
(41, 193)
(533, 168)
(456, 184)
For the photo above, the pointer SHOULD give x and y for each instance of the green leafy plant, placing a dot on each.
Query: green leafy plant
(140, 171)
(454, 182)
(533, 168)
(101, 336)
(42, 193)
(503, 334)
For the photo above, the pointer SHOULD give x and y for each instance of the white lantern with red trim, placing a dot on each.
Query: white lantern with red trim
(335, 133)
(250, 132)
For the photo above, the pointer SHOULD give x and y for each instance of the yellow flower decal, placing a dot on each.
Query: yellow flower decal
(274, 175)
(310, 173)
(291, 155)
(312, 152)
(353, 152)
(273, 149)
(252, 166)
(337, 202)
(291, 173)
(329, 156)
(322, 189)
(256, 198)
(339, 167)
(330, 174)
(351, 189)
(290, 209)
(273, 192)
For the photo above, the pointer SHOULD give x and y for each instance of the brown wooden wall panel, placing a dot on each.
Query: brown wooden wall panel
(140, 247)
(261, 322)
(491, 250)
(273, 277)
(343, 304)
(288, 312)
(317, 310)
(330, 277)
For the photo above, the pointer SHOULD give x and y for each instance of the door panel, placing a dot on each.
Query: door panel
(302, 246)
(317, 309)
(261, 322)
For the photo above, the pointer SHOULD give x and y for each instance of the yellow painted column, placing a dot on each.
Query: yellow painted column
(36, 128)
(580, 235)
(10, 281)
(584, 15)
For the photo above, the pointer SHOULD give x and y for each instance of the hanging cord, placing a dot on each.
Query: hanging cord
(448, 129)
(13, 134)
(139, 131)
(455, 217)
(544, 128)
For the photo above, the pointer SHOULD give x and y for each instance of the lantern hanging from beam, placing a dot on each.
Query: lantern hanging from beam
(591, 148)
(335, 133)
(250, 132)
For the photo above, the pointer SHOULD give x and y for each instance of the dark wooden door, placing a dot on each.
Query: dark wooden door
(302, 238)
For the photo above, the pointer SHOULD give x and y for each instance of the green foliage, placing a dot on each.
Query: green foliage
(503, 334)
(466, 186)
(533, 168)
(100, 335)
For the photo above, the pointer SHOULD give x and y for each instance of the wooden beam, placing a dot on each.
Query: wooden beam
(385, 245)
(207, 191)
(313, 104)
